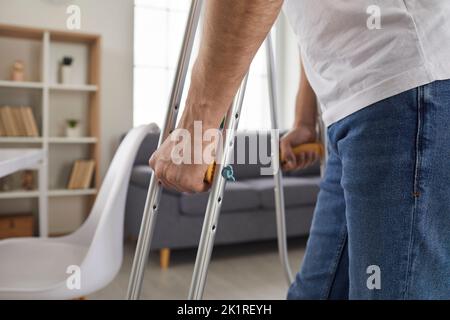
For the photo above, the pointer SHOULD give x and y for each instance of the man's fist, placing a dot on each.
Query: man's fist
(295, 137)
(183, 177)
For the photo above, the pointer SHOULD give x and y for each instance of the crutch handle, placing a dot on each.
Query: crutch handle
(209, 174)
(316, 147)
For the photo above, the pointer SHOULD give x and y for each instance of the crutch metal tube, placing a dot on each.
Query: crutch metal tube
(275, 153)
(154, 190)
(324, 140)
(215, 199)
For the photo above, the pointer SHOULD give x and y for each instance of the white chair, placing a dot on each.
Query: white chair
(36, 268)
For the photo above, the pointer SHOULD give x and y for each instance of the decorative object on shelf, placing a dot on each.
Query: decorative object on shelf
(73, 128)
(82, 173)
(17, 122)
(5, 184)
(16, 225)
(18, 71)
(28, 180)
(66, 70)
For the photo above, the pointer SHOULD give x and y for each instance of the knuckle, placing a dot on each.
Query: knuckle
(162, 171)
(284, 143)
(198, 188)
(172, 175)
(152, 162)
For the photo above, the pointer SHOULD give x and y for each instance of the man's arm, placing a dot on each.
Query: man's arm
(233, 32)
(306, 103)
(304, 128)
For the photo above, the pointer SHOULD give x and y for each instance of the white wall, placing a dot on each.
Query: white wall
(113, 20)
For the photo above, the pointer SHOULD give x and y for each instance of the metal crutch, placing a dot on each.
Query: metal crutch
(275, 153)
(154, 190)
(213, 208)
(215, 199)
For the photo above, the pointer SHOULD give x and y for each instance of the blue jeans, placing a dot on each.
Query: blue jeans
(381, 228)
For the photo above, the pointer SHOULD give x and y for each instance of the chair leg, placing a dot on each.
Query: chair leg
(164, 258)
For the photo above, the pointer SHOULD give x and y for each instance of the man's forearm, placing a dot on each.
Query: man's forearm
(232, 34)
(306, 103)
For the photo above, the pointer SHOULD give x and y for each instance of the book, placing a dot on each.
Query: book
(9, 122)
(2, 129)
(19, 121)
(81, 175)
(74, 175)
(32, 128)
(27, 124)
(88, 174)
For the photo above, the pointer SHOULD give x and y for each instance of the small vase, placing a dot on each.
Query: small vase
(73, 132)
(17, 76)
(66, 74)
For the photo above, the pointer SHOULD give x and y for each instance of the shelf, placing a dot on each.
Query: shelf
(13, 31)
(54, 87)
(21, 140)
(21, 85)
(65, 140)
(18, 194)
(71, 193)
(52, 102)
(54, 140)
(74, 87)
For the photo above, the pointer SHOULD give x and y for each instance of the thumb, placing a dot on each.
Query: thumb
(152, 161)
(288, 158)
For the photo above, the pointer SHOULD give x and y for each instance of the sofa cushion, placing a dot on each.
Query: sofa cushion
(147, 148)
(246, 171)
(239, 196)
(141, 175)
(313, 170)
(246, 154)
(254, 150)
(297, 191)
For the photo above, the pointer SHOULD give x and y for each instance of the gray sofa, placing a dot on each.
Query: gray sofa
(248, 209)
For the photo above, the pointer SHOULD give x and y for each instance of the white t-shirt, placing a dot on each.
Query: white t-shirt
(351, 64)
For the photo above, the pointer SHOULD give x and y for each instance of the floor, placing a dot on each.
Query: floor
(246, 271)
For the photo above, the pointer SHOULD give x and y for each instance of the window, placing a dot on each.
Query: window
(158, 33)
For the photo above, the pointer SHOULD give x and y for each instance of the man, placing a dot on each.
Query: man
(382, 220)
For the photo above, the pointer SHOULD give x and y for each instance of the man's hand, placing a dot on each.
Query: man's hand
(233, 32)
(304, 130)
(295, 137)
(185, 171)
(180, 177)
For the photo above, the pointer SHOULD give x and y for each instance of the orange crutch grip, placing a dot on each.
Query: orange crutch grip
(317, 148)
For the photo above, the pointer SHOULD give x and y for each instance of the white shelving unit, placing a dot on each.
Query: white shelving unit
(81, 88)
(17, 140)
(62, 140)
(52, 43)
(21, 85)
(72, 193)
(19, 194)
